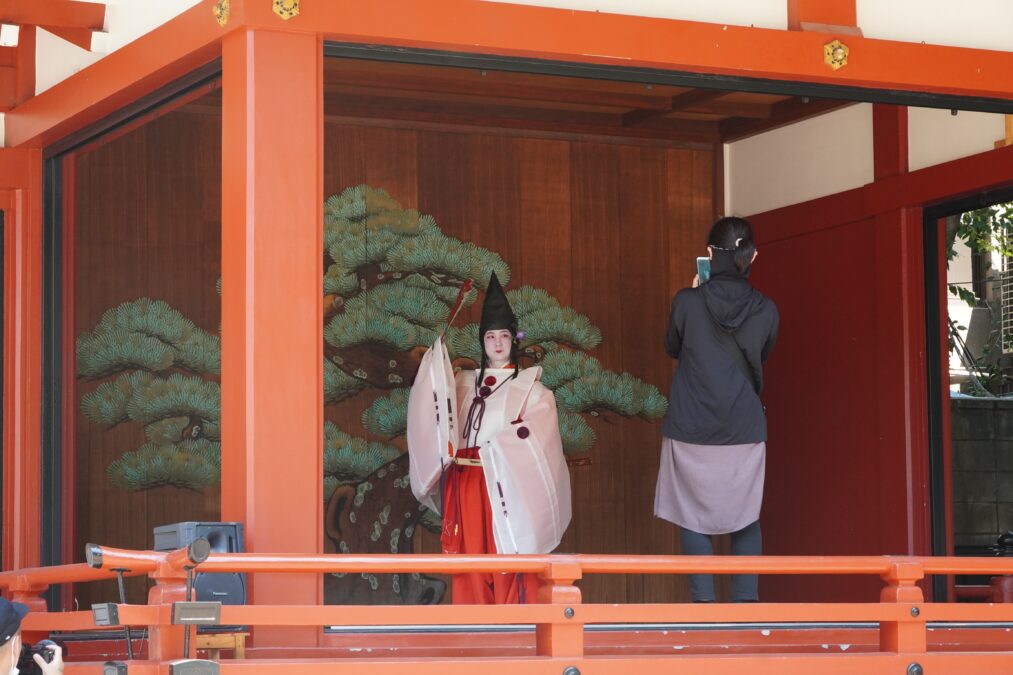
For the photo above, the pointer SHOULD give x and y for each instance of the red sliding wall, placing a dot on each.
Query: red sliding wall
(846, 390)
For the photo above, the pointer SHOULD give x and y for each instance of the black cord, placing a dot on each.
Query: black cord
(123, 601)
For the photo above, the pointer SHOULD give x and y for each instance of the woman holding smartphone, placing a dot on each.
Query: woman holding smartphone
(715, 431)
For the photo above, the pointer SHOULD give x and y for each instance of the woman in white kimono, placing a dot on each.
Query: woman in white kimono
(504, 434)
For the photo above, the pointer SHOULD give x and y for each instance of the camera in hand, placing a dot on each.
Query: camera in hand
(44, 648)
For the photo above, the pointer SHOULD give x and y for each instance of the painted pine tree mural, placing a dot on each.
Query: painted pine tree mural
(391, 277)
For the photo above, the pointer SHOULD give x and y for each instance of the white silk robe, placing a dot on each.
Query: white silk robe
(526, 475)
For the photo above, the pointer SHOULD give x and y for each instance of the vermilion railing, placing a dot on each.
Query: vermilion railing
(559, 616)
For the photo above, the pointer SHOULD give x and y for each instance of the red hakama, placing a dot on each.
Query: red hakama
(468, 529)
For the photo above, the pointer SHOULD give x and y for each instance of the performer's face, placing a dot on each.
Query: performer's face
(497, 347)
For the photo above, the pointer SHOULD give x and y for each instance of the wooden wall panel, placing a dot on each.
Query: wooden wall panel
(642, 255)
(824, 440)
(599, 492)
(608, 229)
(148, 216)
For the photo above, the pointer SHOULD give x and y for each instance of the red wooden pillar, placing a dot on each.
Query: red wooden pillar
(21, 200)
(24, 73)
(272, 314)
(900, 365)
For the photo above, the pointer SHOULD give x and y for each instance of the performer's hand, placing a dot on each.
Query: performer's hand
(696, 280)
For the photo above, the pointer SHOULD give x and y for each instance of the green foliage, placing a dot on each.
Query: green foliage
(146, 398)
(191, 465)
(446, 256)
(394, 276)
(964, 294)
(350, 459)
(463, 342)
(544, 322)
(108, 403)
(365, 227)
(338, 385)
(147, 335)
(620, 393)
(563, 366)
(175, 396)
(364, 209)
(349, 330)
(985, 230)
(577, 435)
(388, 415)
(396, 314)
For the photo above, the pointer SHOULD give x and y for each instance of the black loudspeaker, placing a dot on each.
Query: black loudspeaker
(226, 588)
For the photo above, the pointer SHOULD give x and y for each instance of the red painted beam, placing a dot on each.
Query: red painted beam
(513, 30)
(78, 36)
(805, 13)
(24, 82)
(889, 140)
(64, 13)
(8, 80)
(152, 61)
(633, 41)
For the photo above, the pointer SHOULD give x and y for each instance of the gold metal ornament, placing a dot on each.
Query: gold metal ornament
(835, 54)
(286, 9)
(221, 11)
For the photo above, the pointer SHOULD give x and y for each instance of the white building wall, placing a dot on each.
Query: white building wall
(982, 24)
(56, 59)
(813, 158)
(126, 20)
(759, 13)
(833, 153)
(937, 136)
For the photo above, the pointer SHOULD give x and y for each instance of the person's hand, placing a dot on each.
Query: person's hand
(55, 667)
(696, 280)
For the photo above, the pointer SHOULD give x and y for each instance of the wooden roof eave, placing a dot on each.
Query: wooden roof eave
(644, 42)
(193, 38)
(150, 62)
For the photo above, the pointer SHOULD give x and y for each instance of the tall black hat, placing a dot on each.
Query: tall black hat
(496, 311)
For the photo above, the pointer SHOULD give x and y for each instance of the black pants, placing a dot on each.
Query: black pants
(746, 541)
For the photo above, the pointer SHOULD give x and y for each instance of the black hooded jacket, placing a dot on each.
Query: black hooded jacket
(711, 401)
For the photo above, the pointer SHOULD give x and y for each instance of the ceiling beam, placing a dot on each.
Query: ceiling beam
(759, 111)
(781, 114)
(8, 87)
(828, 16)
(78, 36)
(58, 13)
(24, 68)
(541, 119)
(678, 102)
(490, 86)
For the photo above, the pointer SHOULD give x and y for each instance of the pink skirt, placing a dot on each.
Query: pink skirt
(710, 489)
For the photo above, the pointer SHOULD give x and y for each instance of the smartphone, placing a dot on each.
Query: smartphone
(703, 269)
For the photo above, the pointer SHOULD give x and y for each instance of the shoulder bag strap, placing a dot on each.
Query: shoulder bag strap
(729, 344)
